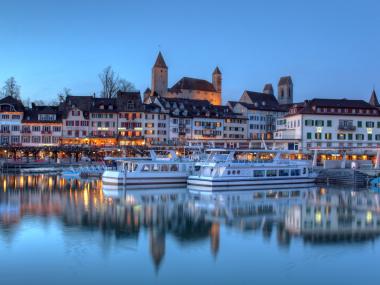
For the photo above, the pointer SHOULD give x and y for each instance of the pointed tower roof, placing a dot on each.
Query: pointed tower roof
(160, 62)
(217, 70)
(373, 100)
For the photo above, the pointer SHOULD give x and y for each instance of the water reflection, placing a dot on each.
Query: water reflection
(316, 215)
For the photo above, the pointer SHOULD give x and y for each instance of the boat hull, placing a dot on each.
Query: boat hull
(211, 185)
(114, 180)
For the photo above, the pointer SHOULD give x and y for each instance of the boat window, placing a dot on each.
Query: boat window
(238, 172)
(283, 172)
(295, 172)
(156, 167)
(228, 172)
(164, 167)
(258, 173)
(271, 173)
(174, 167)
(304, 171)
(233, 172)
(146, 167)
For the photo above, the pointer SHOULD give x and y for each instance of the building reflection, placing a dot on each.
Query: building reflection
(314, 214)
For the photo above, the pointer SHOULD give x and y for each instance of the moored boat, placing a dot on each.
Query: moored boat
(250, 169)
(155, 172)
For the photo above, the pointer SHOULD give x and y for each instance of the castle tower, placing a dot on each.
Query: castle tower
(217, 80)
(160, 76)
(285, 90)
(268, 89)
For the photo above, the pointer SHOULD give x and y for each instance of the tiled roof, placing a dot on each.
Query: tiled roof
(217, 71)
(187, 83)
(179, 107)
(160, 62)
(373, 100)
(10, 101)
(31, 114)
(285, 80)
(129, 101)
(332, 107)
(262, 101)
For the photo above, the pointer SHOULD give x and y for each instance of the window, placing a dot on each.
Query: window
(258, 173)
(295, 172)
(308, 135)
(271, 173)
(349, 137)
(283, 172)
(329, 123)
(369, 137)
(369, 124)
(359, 137)
(319, 123)
(360, 124)
(309, 123)
(328, 136)
(341, 136)
(318, 136)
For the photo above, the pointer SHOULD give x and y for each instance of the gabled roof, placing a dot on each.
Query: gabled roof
(373, 100)
(160, 62)
(129, 101)
(268, 89)
(261, 101)
(285, 80)
(179, 107)
(31, 114)
(16, 105)
(332, 106)
(188, 83)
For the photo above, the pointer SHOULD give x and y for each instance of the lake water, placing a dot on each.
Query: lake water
(56, 231)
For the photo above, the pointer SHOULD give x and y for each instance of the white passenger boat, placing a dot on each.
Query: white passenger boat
(155, 172)
(250, 169)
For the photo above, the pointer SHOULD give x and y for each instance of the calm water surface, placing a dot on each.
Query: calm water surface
(56, 231)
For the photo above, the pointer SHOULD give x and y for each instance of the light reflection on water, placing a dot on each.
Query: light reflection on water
(73, 228)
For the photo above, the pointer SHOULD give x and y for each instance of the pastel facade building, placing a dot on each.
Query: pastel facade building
(11, 115)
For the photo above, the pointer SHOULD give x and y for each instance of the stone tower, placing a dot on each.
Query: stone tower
(285, 91)
(268, 89)
(373, 100)
(160, 76)
(217, 80)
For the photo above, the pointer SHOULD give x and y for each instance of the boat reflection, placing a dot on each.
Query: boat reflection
(316, 215)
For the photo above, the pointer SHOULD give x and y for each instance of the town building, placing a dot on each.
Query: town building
(330, 123)
(11, 115)
(261, 110)
(41, 126)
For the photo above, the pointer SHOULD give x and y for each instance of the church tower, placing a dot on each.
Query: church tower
(160, 76)
(217, 80)
(285, 91)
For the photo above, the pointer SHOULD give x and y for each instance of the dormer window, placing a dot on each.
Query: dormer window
(101, 107)
(110, 107)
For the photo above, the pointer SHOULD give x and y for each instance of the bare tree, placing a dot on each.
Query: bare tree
(111, 83)
(61, 96)
(11, 88)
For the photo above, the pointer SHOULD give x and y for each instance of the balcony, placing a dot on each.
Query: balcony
(346, 128)
(46, 132)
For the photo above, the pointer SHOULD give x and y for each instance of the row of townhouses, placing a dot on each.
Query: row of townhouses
(191, 111)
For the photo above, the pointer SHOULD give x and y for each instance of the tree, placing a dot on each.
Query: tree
(11, 88)
(111, 83)
(61, 96)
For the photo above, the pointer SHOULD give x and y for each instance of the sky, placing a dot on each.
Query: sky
(331, 48)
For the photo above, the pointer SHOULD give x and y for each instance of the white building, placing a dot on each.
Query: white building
(330, 123)
(11, 115)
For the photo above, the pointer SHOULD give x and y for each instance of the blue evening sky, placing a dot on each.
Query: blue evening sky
(331, 48)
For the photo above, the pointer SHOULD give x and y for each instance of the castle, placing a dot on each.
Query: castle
(186, 87)
(200, 89)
